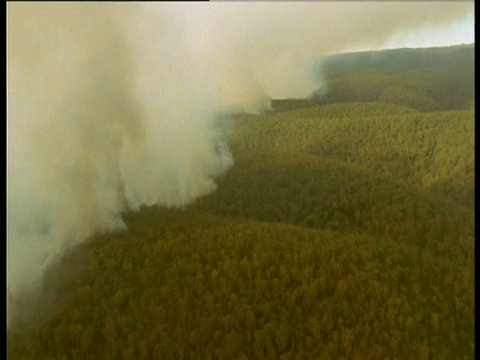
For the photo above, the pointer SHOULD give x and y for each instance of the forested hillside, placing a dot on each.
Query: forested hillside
(423, 79)
(345, 230)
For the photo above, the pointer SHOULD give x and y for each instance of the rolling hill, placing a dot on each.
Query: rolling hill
(423, 79)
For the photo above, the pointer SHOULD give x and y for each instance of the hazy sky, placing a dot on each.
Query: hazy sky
(457, 32)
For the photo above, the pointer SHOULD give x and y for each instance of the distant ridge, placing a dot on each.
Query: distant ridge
(403, 58)
(422, 78)
(419, 78)
(443, 48)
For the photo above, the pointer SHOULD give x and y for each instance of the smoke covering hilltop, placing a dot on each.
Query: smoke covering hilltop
(111, 105)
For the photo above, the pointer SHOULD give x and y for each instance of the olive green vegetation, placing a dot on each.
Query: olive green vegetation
(424, 79)
(432, 151)
(343, 231)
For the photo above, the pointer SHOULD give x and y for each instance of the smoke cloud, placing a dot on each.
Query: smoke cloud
(111, 105)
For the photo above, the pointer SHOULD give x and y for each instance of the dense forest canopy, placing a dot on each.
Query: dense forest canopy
(345, 230)
(423, 79)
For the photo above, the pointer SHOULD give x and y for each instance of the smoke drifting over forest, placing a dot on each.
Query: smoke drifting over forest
(111, 105)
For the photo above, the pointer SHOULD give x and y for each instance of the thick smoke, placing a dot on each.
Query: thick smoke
(111, 106)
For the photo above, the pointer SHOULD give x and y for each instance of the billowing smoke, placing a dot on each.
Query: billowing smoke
(111, 105)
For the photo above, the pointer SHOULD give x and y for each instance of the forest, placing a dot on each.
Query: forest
(345, 230)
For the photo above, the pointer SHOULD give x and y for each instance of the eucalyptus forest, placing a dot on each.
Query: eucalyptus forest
(344, 230)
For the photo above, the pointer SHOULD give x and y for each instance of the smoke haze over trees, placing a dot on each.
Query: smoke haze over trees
(112, 106)
(345, 229)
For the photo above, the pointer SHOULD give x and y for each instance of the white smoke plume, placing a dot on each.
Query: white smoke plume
(111, 105)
